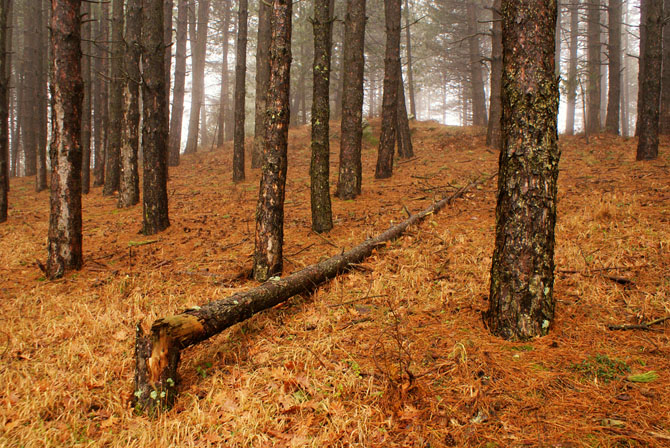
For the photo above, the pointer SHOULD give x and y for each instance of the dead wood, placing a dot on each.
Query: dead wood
(643, 326)
(157, 353)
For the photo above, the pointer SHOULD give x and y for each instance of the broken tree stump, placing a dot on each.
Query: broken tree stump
(157, 353)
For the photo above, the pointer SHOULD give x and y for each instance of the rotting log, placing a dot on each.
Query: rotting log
(157, 353)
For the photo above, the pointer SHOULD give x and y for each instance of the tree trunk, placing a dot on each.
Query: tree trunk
(223, 98)
(593, 67)
(614, 82)
(390, 101)
(113, 153)
(521, 302)
(403, 134)
(41, 106)
(4, 108)
(571, 83)
(350, 171)
(168, 6)
(665, 76)
(177, 115)
(65, 237)
(129, 190)
(157, 354)
(102, 94)
(476, 81)
(647, 148)
(410, 71)
(87, 48)
(322, 217)
(644, 8)
(198, 33)
(493, 136)
(240, 91)
(154, 125)
(30, 86)
(270, 212)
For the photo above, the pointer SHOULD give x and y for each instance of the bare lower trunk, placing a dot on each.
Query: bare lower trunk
(476, 81)
(493, 134)
(102, 94)
(403, 135)
(571, 82)
(4, 109)
(177, 115)
(198, 50)
(410, 71)
(240, 92)
(41, 105)
(86, 107)
(593, 68)
(262, 81)
(665, 76)
(223, 97)
(614, 51)
(113, 154)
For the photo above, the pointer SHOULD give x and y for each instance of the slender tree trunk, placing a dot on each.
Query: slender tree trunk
(268, 259)
(113, 153)
(571, 83)
(4, 108)
(40, 109)
(177, 115)
(593, 67)
(129, 190)
(410, 71)
(647, 148)
(350, 172)
(168, 6)
(198, 52)
(87, 48)
(154, 124)
(65, 238)
(102, 95)
(403, 134)
(223, 98)
(322, 217)
(644, 10)
(30, 84)
(665, 76)
(240, 91)
(557, 44)
(614, 51)
(476, 81)
(390, 101)
(493, 134)
(521, 302)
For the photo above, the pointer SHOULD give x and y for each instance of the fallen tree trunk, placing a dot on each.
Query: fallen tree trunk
(157, 353)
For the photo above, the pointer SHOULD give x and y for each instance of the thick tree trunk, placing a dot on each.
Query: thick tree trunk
(350, 171)
(493, 134)
(571, 82)
(476, 81)
(614, 82)
(177, 115)
(387, 139)
(223, 97)
(157, 354)
(410, 71)
(40, 64)
(521, 302)
(102, 94)
(593, 67)
(129, 189)
(240, 91)
(644, 8)
(113, 153)
(665, 76)
(154, 124)
(647, 148)
(4, 108)
(322, 217)
(198, 33)
(270, 211)
(87, 48)
(64, 246)
(403, 134)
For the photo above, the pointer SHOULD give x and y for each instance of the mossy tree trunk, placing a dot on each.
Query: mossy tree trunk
(268, 258)
(240, 91)
(322, 217)
(521, 302)
(350, 175)
(65, 239)
(177, 116)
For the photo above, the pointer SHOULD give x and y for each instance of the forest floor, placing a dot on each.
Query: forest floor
(392, 354)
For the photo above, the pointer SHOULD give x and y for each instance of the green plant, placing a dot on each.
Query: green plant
(602, 367)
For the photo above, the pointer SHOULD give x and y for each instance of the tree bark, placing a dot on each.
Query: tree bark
(521, 302)
(665, 76)
(168, 6)
(198, 51)
(571, 82)
(644, 11)
(223, 97)
(87, 48)
(476, 81)
(113, 153)
(403, 134)
(493, 134)
(647, 148)
(65, 238)
(614, 70)
(4, 109)
(410, 71)
(41, 106)
(350, 171)
(101, 125)
(268, 259)
(262, 80)
(593, 67)
(177, 116)
(390, 101)
(129, 189)
(157, 353)
(154, 125)
(240, 91)
(322, 217)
